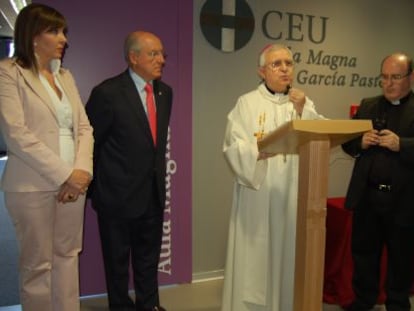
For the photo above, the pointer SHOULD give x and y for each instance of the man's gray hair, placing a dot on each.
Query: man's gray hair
(270, 48)
(132, 43)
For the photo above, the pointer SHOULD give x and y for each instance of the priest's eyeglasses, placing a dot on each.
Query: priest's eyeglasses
(278, 64)
(394, 77)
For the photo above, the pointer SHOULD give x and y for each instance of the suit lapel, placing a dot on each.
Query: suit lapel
(135, 103)
(33, 81)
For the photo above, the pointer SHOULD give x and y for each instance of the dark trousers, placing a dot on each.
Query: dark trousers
(373, 228)
(139, 240)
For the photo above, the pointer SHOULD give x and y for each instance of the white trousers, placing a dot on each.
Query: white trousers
(50, 239)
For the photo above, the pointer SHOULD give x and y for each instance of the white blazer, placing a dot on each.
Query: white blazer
(29, 124)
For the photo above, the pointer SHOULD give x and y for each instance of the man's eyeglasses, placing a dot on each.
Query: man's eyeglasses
(154, 54)
(277, 64)
(394, 77)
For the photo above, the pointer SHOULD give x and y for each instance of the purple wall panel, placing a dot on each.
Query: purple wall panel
(96, 33)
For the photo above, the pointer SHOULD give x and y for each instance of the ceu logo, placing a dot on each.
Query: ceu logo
(227, 24)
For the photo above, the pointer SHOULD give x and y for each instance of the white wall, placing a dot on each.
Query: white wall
(364, 31)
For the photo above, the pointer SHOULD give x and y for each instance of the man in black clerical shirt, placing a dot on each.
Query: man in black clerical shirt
(381, 190)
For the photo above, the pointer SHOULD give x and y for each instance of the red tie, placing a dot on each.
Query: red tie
(152, 114)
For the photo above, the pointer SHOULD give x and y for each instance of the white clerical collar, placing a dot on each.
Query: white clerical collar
(395, 102)
(276, 94)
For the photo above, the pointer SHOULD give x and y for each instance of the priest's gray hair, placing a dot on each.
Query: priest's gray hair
(270, 48)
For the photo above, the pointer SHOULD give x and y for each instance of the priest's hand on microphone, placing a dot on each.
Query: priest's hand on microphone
(297, 97)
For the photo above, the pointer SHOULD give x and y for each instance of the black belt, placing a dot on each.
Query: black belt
(381, 187)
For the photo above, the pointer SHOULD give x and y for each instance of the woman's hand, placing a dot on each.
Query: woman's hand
(68, 194)
(79, 179)
(77, 184)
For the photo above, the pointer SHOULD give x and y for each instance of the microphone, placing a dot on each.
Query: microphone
(288, 87)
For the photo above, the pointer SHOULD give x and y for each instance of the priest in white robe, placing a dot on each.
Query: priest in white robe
(259, 273)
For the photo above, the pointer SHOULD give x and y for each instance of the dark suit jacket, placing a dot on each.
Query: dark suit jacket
(402, 170)
(127, 165)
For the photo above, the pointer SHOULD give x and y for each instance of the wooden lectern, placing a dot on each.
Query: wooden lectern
(312, 140)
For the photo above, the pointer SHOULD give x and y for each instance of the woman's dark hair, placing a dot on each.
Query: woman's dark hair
(31, 21)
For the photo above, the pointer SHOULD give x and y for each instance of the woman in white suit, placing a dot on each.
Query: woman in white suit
(49, 141)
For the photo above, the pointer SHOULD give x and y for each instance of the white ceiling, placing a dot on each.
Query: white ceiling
(8, 16)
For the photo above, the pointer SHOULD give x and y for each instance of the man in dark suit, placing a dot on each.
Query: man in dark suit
(381, 190)
(128, 191)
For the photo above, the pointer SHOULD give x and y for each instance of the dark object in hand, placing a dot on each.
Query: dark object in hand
(379, 124)
(288, 87)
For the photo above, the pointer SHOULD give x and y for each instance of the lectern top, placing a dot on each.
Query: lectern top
(288, 137)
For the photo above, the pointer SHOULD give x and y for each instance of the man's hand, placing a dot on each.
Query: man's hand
(265, 155)
(370, 138)
(297, 97)
(389, 140)
(383, 138)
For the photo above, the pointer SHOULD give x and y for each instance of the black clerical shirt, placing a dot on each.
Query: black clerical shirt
(387, 117)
